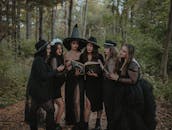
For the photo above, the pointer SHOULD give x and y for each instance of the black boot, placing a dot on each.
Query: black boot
(58, 127)
(97, 126)
(85, 126)
(77, 126)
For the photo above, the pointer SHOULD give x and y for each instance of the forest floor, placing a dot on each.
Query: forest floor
(11, 117)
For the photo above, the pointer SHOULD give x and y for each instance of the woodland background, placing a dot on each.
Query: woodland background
(147, 24)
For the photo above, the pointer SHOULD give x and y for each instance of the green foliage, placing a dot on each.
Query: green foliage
(5, 61)
(27, 48)
(148, 51)
(161, 91)
(152, 18)
(13, 76)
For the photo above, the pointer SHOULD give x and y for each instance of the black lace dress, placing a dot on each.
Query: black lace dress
(93, 86)
(131, 105)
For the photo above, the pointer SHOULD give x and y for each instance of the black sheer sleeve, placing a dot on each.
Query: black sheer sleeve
(133, 74)
(54, 63)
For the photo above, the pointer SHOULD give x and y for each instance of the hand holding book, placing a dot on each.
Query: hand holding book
(90, 68)
(91, 73)
(77, 71)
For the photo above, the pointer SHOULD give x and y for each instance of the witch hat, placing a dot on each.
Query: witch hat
(74, 37)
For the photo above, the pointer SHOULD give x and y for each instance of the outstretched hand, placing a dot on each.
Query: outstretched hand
(114, 76)
(61, 68)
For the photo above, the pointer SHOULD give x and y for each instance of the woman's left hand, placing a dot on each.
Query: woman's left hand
(114, 76)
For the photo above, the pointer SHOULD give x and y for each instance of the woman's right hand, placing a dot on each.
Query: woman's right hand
(68, 65)
(114, 76)
(61, 68)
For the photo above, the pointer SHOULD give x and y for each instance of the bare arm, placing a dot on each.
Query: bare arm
(54, 63)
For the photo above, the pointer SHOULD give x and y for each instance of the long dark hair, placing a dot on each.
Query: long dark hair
(121, 64)
(42, 53)
(53, 54)
(95, 54)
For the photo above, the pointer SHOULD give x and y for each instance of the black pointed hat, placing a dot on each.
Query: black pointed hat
(93, 40)
(74, 37)
(109, 43)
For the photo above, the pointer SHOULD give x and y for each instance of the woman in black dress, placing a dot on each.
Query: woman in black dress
(40, 87)
(110, 89)
(131, 104)
(72, 92)
(93, 83)
(57, 63)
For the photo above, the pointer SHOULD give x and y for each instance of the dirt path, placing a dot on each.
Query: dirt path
(11, 117)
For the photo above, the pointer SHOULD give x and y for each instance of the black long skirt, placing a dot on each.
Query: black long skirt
(113, 95)
(93, 87)
(70, 85)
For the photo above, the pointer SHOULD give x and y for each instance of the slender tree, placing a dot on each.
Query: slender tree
(1, 6)
(164, 61)
(18, 20)
(70, 17)
(14, 19)
(28, 20)
(36, 23)
(40, 22)
(65, 19)
(85, 18)
(53, 20)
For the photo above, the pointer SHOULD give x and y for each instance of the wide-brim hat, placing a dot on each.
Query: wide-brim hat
(93, 40)
(40, 46)
(74, 37)
(109, 44)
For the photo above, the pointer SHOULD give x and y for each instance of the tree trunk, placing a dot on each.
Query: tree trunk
(85, 18)
(7, 14)
(40, 22)
(36, 24)
(53, 23)
(28, 21)
(18, 20)
(70, 17)
(1, 12)
(118, 17)
(114, 20)
(164, 61)
(14, 30)
(132, 15)
(65, 20)
(13, 20)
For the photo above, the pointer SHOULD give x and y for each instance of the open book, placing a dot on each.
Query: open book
(90, 66)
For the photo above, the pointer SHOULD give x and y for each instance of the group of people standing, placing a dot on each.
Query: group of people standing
(115, 83)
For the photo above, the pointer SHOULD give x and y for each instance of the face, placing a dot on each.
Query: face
(89, 48)
(123, 52)
(107, 51)
(74, 45)
(48, 49)
(59, 50)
